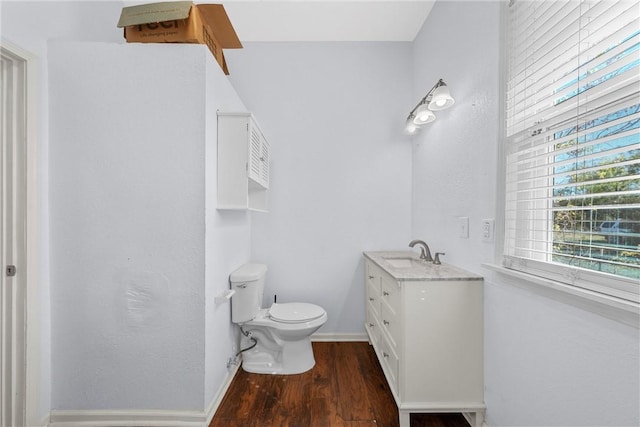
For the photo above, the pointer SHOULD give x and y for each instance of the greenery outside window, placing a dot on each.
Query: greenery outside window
(572, 146)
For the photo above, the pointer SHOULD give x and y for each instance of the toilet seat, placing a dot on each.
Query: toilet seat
(295, 312)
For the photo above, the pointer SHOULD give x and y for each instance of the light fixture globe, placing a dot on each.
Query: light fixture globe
(438, 98)
(441, 98)
(423, 115)
(410, 127)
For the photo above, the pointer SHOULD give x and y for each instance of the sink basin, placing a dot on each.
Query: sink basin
(404, 262)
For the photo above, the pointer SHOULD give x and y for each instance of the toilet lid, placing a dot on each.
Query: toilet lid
(295, 312)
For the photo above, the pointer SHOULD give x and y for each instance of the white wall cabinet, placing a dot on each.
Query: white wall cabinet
(243, 163)
(427, 334)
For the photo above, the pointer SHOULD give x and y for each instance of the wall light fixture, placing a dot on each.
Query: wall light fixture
(438, 98)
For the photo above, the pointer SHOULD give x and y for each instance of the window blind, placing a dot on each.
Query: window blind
(572, 146)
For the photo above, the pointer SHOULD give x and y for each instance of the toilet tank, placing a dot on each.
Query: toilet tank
(248, 282)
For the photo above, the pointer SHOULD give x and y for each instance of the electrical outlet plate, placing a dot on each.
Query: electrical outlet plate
(488, 229)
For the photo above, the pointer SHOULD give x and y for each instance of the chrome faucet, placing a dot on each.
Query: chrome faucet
(425, 253)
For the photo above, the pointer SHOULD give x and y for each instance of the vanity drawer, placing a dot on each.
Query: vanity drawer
(373, 297)
(389, 362)
(390, 323)
(373, 326)
(391, 293)
(373, 274)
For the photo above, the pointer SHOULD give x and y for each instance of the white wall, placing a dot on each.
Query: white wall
(138, 249)
(546, 362)
(454, 157)
(341, 177)
(549, 363)
(127, 189)
(30, 25)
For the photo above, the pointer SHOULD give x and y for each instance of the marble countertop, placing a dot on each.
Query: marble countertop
(407, 265)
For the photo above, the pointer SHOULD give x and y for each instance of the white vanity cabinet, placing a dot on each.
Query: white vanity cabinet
(243, 163)
(427, 331)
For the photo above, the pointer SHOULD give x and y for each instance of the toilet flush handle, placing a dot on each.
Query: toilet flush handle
(241, 285)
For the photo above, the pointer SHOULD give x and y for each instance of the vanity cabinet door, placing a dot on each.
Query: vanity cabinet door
(391, 293)
(390, 324)
(372, 303)
(373, 326)
(389, 361)
(390, 310)
(373, 289)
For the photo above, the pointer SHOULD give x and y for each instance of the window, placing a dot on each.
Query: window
(572, 146)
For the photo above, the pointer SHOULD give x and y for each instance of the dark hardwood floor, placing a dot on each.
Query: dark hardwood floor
(346, 388)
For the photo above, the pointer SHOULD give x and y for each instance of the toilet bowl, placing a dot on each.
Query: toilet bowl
(274, 340)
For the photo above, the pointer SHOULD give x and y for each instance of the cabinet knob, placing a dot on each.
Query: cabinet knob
(371, 325)
(371, 299)
(385, 293)
(371, 277)
(386, 323)
(385, 354)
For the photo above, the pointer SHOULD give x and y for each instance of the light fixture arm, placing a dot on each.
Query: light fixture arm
(438, 98)
(427, 97)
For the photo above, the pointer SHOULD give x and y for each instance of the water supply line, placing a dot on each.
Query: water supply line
(248, 335)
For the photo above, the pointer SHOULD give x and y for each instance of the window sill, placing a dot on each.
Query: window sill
(617, 309)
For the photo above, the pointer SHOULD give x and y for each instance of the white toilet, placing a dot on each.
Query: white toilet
(282, 332)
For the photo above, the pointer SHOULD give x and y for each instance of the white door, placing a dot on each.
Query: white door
(14, 228)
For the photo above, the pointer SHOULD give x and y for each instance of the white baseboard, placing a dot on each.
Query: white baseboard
(143, 417)
(326, 337)
(217, 399)
(108, 418)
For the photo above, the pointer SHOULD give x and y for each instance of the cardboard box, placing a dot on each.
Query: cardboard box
(181, 22)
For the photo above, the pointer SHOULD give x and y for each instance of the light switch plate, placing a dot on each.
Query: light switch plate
(463, 227)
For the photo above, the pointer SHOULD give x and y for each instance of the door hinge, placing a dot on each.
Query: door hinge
(11, 270)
